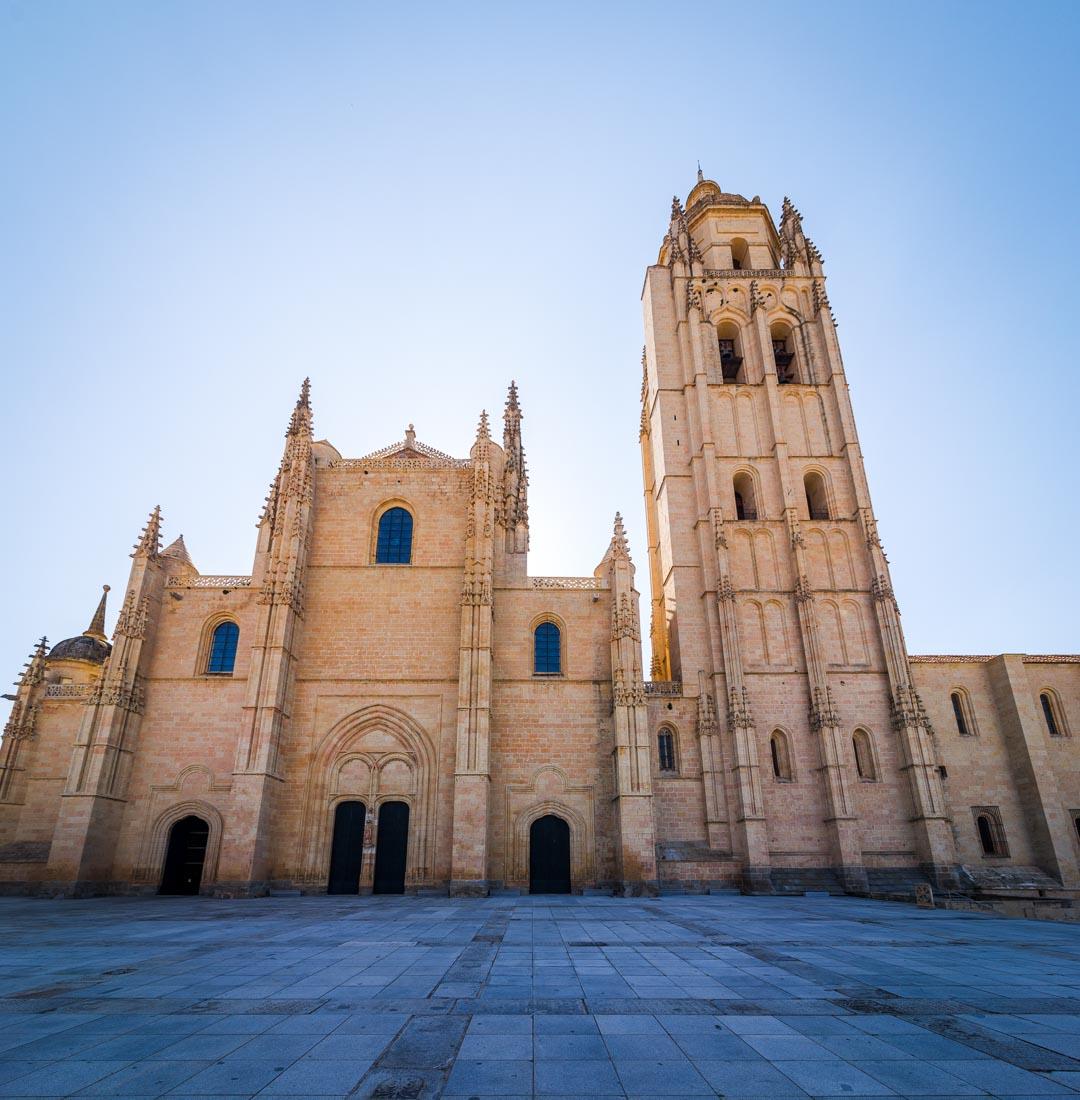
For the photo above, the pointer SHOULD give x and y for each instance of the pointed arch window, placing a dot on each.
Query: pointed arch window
(1052, 715)
(547, 650)
(223, 643)
(394, 543)
(781, 756)
(864, 755)
(665, 747)
(991, 830)
(963, 714)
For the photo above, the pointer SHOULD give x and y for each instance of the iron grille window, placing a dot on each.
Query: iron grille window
(223, 648)
(958, 711)
(394, 545)
(547, 656)
(1048, 714)
(666, 747)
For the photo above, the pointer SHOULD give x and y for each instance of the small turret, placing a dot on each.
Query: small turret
(92, 644)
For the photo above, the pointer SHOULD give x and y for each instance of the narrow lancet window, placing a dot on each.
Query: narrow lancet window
(223, 649)
(547, 650)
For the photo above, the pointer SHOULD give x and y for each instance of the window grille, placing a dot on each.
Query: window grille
(223, 649)
(666, 747)
(547, 655)
(394, 544)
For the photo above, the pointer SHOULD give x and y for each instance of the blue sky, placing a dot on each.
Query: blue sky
(203, 203)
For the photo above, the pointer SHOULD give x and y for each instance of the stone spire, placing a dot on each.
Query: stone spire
(515, 475)
(177, 549)
(149, 543)
(300, 422)
(483, 429)
(96, 629)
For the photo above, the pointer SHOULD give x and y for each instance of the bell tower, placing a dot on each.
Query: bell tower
(771, 597)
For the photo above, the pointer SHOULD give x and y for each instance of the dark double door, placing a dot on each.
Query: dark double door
(549, 856)
(347, 849)
(185, 856)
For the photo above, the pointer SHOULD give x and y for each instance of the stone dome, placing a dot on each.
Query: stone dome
(85, 647)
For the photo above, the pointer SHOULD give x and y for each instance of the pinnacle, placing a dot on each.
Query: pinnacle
(96, 629)
(483, 430)
(300, 421)
(150, 540)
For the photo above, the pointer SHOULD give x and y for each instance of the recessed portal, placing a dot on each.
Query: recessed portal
(549, 856)
(391, 848)
(185, 856)
(347, 851)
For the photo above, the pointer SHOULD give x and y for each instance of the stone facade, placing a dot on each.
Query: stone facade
(786, 739)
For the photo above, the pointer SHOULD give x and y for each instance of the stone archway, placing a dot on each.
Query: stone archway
(376, 755)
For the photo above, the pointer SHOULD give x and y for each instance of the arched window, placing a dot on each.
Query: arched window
(864, 755)
(991, 831)
(547, 650)
(1076, 824)
(394, 544)
(962, 713)
(223, 649)
(740, 258)
(730, 353)
(783, 354)
(781, 756)
(817, 499)
(1055, 724)
(665, 745)
(745, 501)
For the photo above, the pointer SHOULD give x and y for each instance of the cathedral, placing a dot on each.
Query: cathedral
(390, 702)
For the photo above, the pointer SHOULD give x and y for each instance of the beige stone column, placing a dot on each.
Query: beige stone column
(244, 867)
(95, 794)
(635, 841)
(472, 767)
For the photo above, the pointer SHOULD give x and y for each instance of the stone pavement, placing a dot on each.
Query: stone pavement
(415, 998)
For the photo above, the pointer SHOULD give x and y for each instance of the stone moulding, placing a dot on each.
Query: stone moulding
(983, 658)
(588, 583)
(209, 582)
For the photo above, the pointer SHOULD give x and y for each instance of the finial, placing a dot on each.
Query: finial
(300, 421)
(618, 538)
(150, 540)
(410, 436)
(700, 177)
(96, 629)
(482, 429)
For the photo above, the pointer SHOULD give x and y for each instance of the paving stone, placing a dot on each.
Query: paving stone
(577, 1078)
(313, 1077)
(59, 1078)
(490, 1078)
(742, 1079)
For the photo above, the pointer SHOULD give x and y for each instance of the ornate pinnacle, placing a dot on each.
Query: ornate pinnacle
(96, 629)
(34, 670)
(150, 540)
(300, 422)
(676, 207)
(482, 429)
(512, 406)
(700, 177)
(619, 545)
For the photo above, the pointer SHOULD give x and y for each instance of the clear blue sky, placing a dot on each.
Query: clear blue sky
(202, 203)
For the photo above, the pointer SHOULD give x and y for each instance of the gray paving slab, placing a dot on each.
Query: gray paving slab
(525, 996)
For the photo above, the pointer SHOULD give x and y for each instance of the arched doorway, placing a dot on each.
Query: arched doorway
(549, 856)
(185, 856)
(391, 848)
(347, 850)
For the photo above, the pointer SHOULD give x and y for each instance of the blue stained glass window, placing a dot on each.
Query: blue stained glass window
(394, 545)
(223, 648)
(547, 658)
